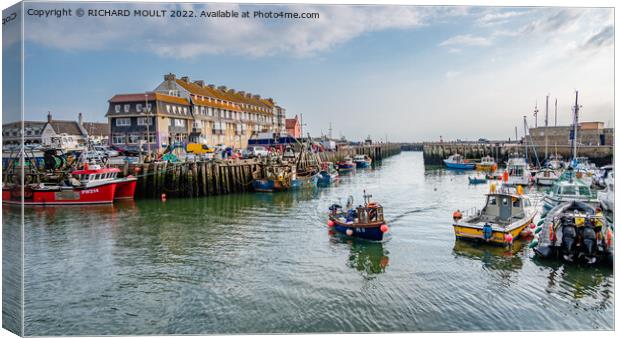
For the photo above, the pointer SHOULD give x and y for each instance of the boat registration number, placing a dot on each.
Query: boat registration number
(67, 195)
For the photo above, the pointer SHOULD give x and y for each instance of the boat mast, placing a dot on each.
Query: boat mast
(575, 121)
(525, 137)
(546, 123)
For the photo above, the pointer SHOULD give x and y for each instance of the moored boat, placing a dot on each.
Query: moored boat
(574, 231)
(346, 165)
(91, 185)
(505, 215)
(518, 172)
(606, 197)
(456, 161)
(477, 179)
(275, 177)
(362, 161)
(567, 189)
(365, 221)
(328, 174)
(546, 177)
(487, 163)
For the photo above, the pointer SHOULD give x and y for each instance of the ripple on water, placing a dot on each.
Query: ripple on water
(260, 263)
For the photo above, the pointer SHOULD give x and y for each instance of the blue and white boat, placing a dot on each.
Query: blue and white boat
(328, 174)
(456, 161)
(346, 165)
(365, 222)
(362, 161)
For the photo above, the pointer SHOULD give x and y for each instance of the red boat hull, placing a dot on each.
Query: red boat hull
(125, 188)
(101, 194)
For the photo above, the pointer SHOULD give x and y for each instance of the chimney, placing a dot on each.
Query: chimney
(80, 121)
(212, 86)
(169, 77)
(49, 117)
(185, 79)
(200, 83)
(232, 91)
(222, 88)
(270, 100)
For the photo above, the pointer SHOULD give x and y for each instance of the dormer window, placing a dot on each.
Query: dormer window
(127, 107)
(117, 108)
(139, 108)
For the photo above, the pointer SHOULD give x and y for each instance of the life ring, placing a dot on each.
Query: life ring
(373, 205)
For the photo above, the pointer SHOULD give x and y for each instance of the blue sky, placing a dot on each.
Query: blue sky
(411, 73)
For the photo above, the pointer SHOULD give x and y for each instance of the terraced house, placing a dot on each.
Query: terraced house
(185, 111)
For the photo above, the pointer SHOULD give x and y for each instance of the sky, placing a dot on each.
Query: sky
(404, 73)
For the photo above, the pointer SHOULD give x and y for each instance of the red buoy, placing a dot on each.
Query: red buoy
(384, 228)
(349, 232)
(163, 196)
(508, 238)
(136, 170)
(330, 223)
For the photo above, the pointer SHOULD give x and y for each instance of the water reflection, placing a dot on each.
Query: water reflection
(369, 258)
(492, 257)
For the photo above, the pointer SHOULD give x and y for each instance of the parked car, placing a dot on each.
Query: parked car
(127, 150)
(106, 151)
(255, 151)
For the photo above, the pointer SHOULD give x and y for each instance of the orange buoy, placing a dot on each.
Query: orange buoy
(384, 228)
(505, 176)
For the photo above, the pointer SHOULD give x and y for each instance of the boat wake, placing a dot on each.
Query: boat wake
(406, 213)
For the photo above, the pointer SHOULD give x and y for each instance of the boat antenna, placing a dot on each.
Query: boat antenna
(575, 122)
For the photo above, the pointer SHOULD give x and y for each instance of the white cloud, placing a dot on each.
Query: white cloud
(466, 40)
(499, 17)
(186, 38)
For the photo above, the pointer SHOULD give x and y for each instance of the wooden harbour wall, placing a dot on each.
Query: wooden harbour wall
(218, 177)
(435, 153)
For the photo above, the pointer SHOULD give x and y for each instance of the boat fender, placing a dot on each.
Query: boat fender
(457, 215)
(487, 232)
(538, 230)
(519, 190)
(533, 244)
(540, 222)
(163, 197)
(508, 238)
(384, 228)
(349, 232)
(330, 223)
(532, 225)
(609, 238)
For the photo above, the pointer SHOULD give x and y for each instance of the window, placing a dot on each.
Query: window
(184, 110)
(492, 200)
(134, 138)
(143, 121)
(516, 203)
(117, 108)
(197, 124)
(569, 190)
(151, 137)
(148, 107)
(123, 122)
(179, 123)
(168, 108)
(139, 108)
(505, 201)
(126, 108)
(584, 191)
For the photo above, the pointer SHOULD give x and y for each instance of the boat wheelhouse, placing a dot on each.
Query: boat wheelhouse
(569, 190)
(364, 221)
(486, 163)
(362, 161)
(518, 172)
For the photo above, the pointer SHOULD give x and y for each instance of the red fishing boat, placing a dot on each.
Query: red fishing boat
(90, 185)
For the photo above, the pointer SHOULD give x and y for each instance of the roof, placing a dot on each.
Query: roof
(96, 128)
(150, 96)
(228, 95)
(291, 123)
(66, 127)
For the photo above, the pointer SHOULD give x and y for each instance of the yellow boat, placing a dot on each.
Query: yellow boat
(503, 218)
(487, 163)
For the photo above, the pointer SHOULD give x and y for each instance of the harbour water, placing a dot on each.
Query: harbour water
(262, 263)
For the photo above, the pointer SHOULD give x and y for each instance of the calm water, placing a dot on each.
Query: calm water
(266, 263)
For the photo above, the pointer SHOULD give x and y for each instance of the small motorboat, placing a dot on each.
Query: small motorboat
(346, 165)
(600, 177)
(362, 161)
(546, 177)
(518, 172)
(365, 221)
(487, 163)
(456, 161)
(504, 216)
(574, 231)
(328, 174)
(567, 189)
(477, 179)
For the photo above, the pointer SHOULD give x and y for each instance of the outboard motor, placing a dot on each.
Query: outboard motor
(569, 237)
(589, 244)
